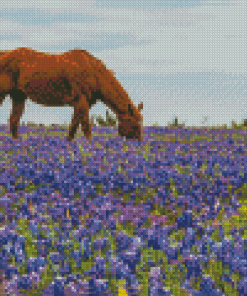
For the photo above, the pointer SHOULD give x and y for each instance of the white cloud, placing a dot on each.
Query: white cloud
(55, 6)
(213, 39)
(200, 38)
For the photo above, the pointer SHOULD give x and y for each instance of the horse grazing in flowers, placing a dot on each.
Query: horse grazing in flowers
(75, 78)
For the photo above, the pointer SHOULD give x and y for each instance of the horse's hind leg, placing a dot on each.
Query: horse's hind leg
(18, 102)
(2, 97)
(81, 115)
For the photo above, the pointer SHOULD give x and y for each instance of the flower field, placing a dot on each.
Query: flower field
(165, 216)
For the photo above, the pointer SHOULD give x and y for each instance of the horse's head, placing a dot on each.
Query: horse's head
(130, 124)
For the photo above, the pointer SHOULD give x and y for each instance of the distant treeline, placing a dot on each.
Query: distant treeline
(111, 121)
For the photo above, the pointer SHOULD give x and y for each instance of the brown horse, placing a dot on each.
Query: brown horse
(75, 78)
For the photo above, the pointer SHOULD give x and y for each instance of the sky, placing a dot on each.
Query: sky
(181, 58)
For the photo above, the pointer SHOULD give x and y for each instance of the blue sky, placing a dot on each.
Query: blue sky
(181, 58)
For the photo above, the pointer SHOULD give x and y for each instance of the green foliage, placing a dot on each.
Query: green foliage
(175, 123)
(112, 122)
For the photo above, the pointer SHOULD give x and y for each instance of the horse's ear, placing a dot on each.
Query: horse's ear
(140, 106)
(130, 109)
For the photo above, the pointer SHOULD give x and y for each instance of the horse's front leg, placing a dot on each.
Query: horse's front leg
(81, 115)
(18, 101)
